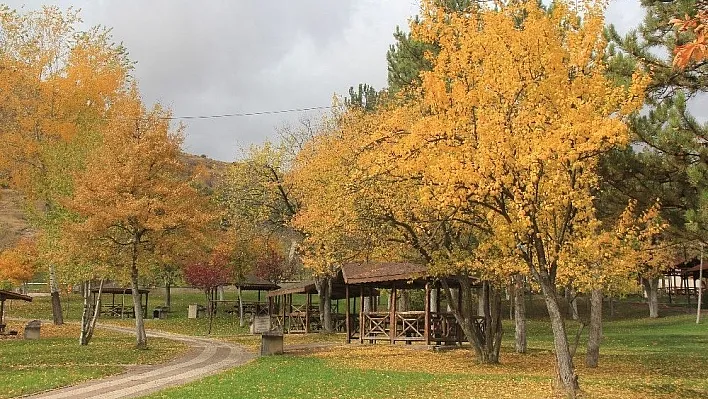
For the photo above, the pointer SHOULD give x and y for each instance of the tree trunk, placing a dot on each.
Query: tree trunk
(57, 315)
(481, 304)
(241, 321)
(592, 356)
(83, 340)
(519, 314)
(572, 297)
(485, 342)
(210, 307)
(405, 301)
(140, 336)
(96, 313)
(651, 287)
(434, 301)
(567, 378)
(168, 294)
(324, 289)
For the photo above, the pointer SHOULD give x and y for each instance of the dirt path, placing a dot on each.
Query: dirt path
(206, 357)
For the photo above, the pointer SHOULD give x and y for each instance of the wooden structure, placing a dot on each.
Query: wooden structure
(304, 317)
(250, 308)
(682, 279)
(427, 325)
(5, 295)
(120, 308)
(358, 284)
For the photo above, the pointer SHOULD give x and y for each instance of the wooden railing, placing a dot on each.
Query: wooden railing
(410, 326)
(376, 325)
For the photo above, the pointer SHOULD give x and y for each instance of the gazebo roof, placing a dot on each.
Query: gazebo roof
(375, 272)
(253, 283)
(302, 287)
(4, 295)
(119, 290)
(403, 275)
(309, 287)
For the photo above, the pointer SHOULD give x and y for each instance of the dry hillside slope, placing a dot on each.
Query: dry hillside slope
(13, 223)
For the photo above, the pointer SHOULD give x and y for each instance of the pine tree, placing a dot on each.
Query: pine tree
(668, 159)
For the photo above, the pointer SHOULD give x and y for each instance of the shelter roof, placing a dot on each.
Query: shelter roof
(254, 283)
(119, 290)
(374, 272)
(696, 269)
(302, 287)
(309, 287)
(4, 295)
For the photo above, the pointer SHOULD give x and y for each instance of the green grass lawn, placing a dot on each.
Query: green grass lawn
(56, 359)
(641, 358)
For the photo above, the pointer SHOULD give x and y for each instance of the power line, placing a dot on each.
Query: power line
(239, 114)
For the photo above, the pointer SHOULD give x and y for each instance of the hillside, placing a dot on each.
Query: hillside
(206, 170)
(13, 223)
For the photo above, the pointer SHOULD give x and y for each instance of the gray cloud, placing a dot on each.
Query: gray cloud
(220, 56)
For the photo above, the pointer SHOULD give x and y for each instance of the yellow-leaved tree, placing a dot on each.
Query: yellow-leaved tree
(19, 263)
(340, 223)
(510, 123)
(601, 260)
(132, 201)
(56, 84)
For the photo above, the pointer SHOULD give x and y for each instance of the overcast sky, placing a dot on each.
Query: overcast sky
(218, 56)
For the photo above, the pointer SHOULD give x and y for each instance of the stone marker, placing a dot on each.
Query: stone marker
(271, 343)
(32, 329)
(260, 325)
(193, 312)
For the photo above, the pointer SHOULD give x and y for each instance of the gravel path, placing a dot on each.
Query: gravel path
(206, 357)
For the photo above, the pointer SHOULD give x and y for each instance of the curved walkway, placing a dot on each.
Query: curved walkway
(206, 357)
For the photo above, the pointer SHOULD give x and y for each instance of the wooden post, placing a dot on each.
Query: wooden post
(671, 277)
(427, 313)
(283, 303)
(437, 298)
(346, 315)
(392, 315)
(145, 310)
(307, 313)
(2, 309)
(361, 314)
(459, 307)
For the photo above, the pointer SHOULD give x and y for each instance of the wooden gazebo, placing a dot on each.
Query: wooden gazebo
(291, 317)
(677, 279)
(254, 308)
(121, 307)
(5, 295)
(427, 325)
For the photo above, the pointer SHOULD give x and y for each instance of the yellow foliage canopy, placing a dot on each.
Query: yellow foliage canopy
(18, 264)
(132, 199)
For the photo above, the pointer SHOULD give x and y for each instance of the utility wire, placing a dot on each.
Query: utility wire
(239, 114)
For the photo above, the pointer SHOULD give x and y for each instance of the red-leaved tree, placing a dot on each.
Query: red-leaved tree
(273, 267)
(208, 277)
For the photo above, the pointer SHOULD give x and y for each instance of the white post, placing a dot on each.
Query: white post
(700, 288)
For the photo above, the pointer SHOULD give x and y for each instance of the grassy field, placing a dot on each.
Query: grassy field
(641, 358)
(57, 359)
(665, 358)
